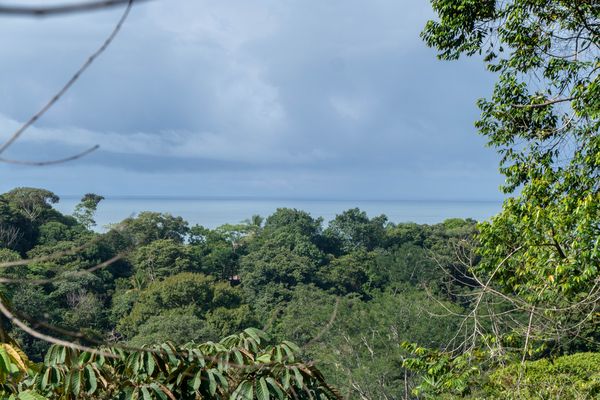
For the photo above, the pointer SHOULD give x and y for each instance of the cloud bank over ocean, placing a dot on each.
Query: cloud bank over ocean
(295, 98)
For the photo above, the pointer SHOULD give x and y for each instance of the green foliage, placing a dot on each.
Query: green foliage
(358, 342)
(540, 255)
(352, 273)
(177, 284)
(353, 230)
(543, 118)
(178, 325)
(162, 258)
(33, 204)
(85, 210)
(53, 232)
(181, 290)
(149, 226)
(572, 377)
(575, 376)
(293, 220)
(22, 211)
(14, 367)
(443, 375)
(221, 249)
(7, 255)
(238, 367)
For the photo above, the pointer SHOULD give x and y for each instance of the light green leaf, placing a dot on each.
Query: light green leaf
(93, 382)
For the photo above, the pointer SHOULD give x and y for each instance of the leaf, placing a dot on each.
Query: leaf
(159, 391)
(286, 379)
(167, 391)
(46, 377)
(265, 358)
(289, 353)
(262, 390)
(146, 394)
(292, 346)
(222, 380)
(254, 334)
(15, 356)
(150, 363)
(299, 377)
(84, 357)
(99, 376)
(276, 386)
(197, 380)
(5, 364)
(245, 391)
(29, 395)
(238, 357)
(76, 378)
(212, 383)
(93, 382)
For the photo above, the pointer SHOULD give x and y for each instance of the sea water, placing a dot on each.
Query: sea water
(215, 212)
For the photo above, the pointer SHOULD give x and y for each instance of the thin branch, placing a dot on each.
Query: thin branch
(70, 82)
(60, 9)
(326, 327)
(51, 162)
(47, 338)
(544, 104)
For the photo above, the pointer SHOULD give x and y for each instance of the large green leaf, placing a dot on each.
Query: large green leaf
(262, 390)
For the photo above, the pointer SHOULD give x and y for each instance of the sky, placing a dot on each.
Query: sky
(336, 99)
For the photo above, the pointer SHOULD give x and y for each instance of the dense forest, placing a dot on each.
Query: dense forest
(348, 294)
(359, 307)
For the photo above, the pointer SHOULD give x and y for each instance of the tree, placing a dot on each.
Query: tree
(86, 208)
(177, 291)
(11, 233)
(292, 220)
(163, 258)
(32, 203)
(353, 229)
(352, 273)
(543, 118)
(238, 367)
(149, 226)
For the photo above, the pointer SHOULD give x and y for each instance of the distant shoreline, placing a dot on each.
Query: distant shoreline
(212, 212)
(274, 198)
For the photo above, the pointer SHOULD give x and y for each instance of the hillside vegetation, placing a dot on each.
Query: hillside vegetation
(347, 294)
(360, 308)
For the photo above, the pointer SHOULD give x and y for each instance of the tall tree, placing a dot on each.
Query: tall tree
(85, 210)
(543, 118)
(32, 203)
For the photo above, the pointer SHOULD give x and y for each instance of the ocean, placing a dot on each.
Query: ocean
(212, 213)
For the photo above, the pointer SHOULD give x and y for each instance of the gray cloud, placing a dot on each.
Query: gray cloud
(335, 99)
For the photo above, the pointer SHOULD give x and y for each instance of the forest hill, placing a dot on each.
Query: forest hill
(348, 294)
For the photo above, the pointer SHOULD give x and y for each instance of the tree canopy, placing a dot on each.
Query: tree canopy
(543, 118)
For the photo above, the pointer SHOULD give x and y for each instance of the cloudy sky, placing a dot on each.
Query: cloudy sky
(268, 98)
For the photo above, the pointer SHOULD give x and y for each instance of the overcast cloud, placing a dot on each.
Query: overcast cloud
(293, 98)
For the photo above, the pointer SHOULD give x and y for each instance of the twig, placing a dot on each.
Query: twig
(51, 162)
(47, 338)
(70, 82)
(61, 9)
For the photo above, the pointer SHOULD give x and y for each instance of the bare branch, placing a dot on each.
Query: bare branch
(544, 104)
(60, 9)
(47, 338)
(70, 82)
(51, 162)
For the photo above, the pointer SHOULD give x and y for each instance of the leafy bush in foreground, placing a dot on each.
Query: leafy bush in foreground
(238, 367)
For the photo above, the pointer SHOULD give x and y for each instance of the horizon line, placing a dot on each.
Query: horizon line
(280, 198)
